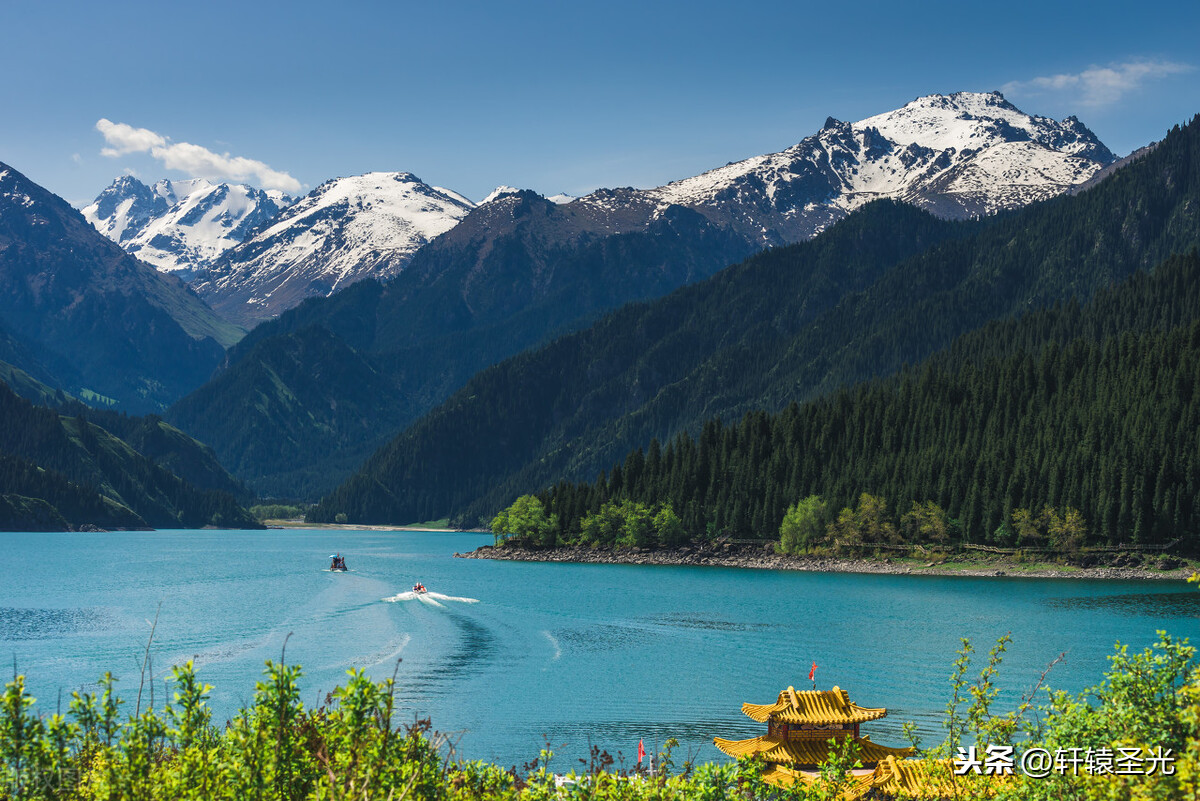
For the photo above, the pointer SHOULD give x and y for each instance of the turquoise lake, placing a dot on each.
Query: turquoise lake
(572, 655)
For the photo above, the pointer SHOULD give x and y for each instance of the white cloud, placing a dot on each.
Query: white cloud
(75, 157)
(195, 160)
(123, 139)
(1098, 86)
(200, 161)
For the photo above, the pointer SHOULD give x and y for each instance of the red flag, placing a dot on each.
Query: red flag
(641, 750)
(812, 671)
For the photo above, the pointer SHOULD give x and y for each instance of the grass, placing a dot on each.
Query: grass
(95, 397)
(1012, 565)
(434, 525)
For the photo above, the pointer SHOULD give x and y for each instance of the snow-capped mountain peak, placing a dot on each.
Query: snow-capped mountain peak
(958, 155)
(124, 208)
(180, 226)
(347, 229)
(499, 191)
(974, 120)
(403, 201)
(174, 191)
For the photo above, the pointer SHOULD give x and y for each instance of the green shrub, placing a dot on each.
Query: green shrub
(276, 511)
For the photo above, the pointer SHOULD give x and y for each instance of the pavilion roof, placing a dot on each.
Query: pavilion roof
(803, 752)
(782, 776)
(899, 778)
(925, 778)
(820, 707)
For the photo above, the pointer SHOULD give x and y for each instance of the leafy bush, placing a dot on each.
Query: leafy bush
(803, 525)
(277, 749)
(526, 520)
(276, 511)
(352, 749)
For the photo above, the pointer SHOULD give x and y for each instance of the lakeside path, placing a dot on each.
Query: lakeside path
(300, 524)
(759, 559)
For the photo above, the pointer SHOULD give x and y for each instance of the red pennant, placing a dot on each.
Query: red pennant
(641, 750)
(812, 671)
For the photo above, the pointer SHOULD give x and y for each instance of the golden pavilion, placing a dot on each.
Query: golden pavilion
(800, 726)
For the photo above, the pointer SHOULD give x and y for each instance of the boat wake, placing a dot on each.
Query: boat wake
(430, 598)
(554, 643)
(388, 654)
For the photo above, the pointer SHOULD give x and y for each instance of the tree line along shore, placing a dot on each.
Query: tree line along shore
(861, 538)
(756, 556)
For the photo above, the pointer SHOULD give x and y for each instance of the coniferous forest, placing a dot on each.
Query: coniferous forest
(59, 471)
(1091, 408)
(1109, 428)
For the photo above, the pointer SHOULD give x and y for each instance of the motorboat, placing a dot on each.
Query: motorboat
(338, 563)
(419, 588)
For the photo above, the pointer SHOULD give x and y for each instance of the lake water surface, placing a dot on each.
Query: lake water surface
(572, 655)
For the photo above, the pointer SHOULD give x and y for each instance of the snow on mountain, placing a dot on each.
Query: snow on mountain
(181, 226)
(958, 155)
(450, 193)
(347, 229)
(499, 191)
(124, 208)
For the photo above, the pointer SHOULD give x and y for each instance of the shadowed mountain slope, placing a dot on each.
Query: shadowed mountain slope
(81, 311)
(91, 477)
(307, 397)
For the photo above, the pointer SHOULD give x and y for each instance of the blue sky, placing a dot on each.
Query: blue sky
(553, 96)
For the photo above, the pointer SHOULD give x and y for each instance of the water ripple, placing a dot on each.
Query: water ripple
(687, 620)
(45, 624)
(1164, 604)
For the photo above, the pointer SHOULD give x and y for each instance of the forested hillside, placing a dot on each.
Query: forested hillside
(149, 435)
(306, 398)
(64, 469)
(583, 381)
(316, 408)
(167, 447)
(1093, 408)
(758, 337)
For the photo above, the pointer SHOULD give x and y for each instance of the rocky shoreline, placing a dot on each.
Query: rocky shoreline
(1119, 566)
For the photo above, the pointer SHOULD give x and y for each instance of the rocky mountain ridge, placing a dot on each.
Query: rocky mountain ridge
(345, 230)
(181, 226)
(960, 155)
